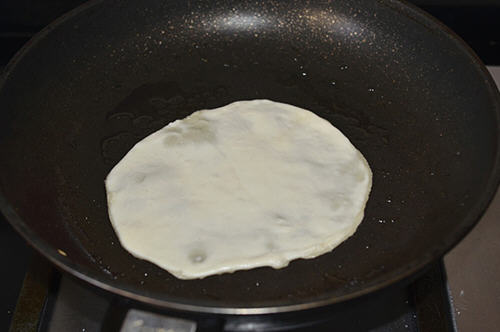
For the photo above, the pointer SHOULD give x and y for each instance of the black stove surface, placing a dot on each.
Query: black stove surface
(52, 302)
(47, 301)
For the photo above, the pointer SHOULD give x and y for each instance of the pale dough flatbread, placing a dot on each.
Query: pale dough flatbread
(254, 183)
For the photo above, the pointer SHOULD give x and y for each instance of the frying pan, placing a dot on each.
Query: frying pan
(410, 95)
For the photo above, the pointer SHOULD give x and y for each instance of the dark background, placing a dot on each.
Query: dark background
(477, 22)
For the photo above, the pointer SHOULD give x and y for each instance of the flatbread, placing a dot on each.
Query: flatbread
(254, 183)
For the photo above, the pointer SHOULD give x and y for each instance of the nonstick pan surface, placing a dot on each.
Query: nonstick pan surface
(410, 96)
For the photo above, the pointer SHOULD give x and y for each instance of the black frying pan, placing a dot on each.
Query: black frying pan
(411, 96)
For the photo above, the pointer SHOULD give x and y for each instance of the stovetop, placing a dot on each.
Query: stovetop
(54, 302)
(463, 291)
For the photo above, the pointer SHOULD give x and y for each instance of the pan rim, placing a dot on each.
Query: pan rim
(404, 272)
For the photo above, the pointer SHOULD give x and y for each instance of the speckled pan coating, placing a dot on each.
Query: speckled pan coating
(409, 95)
